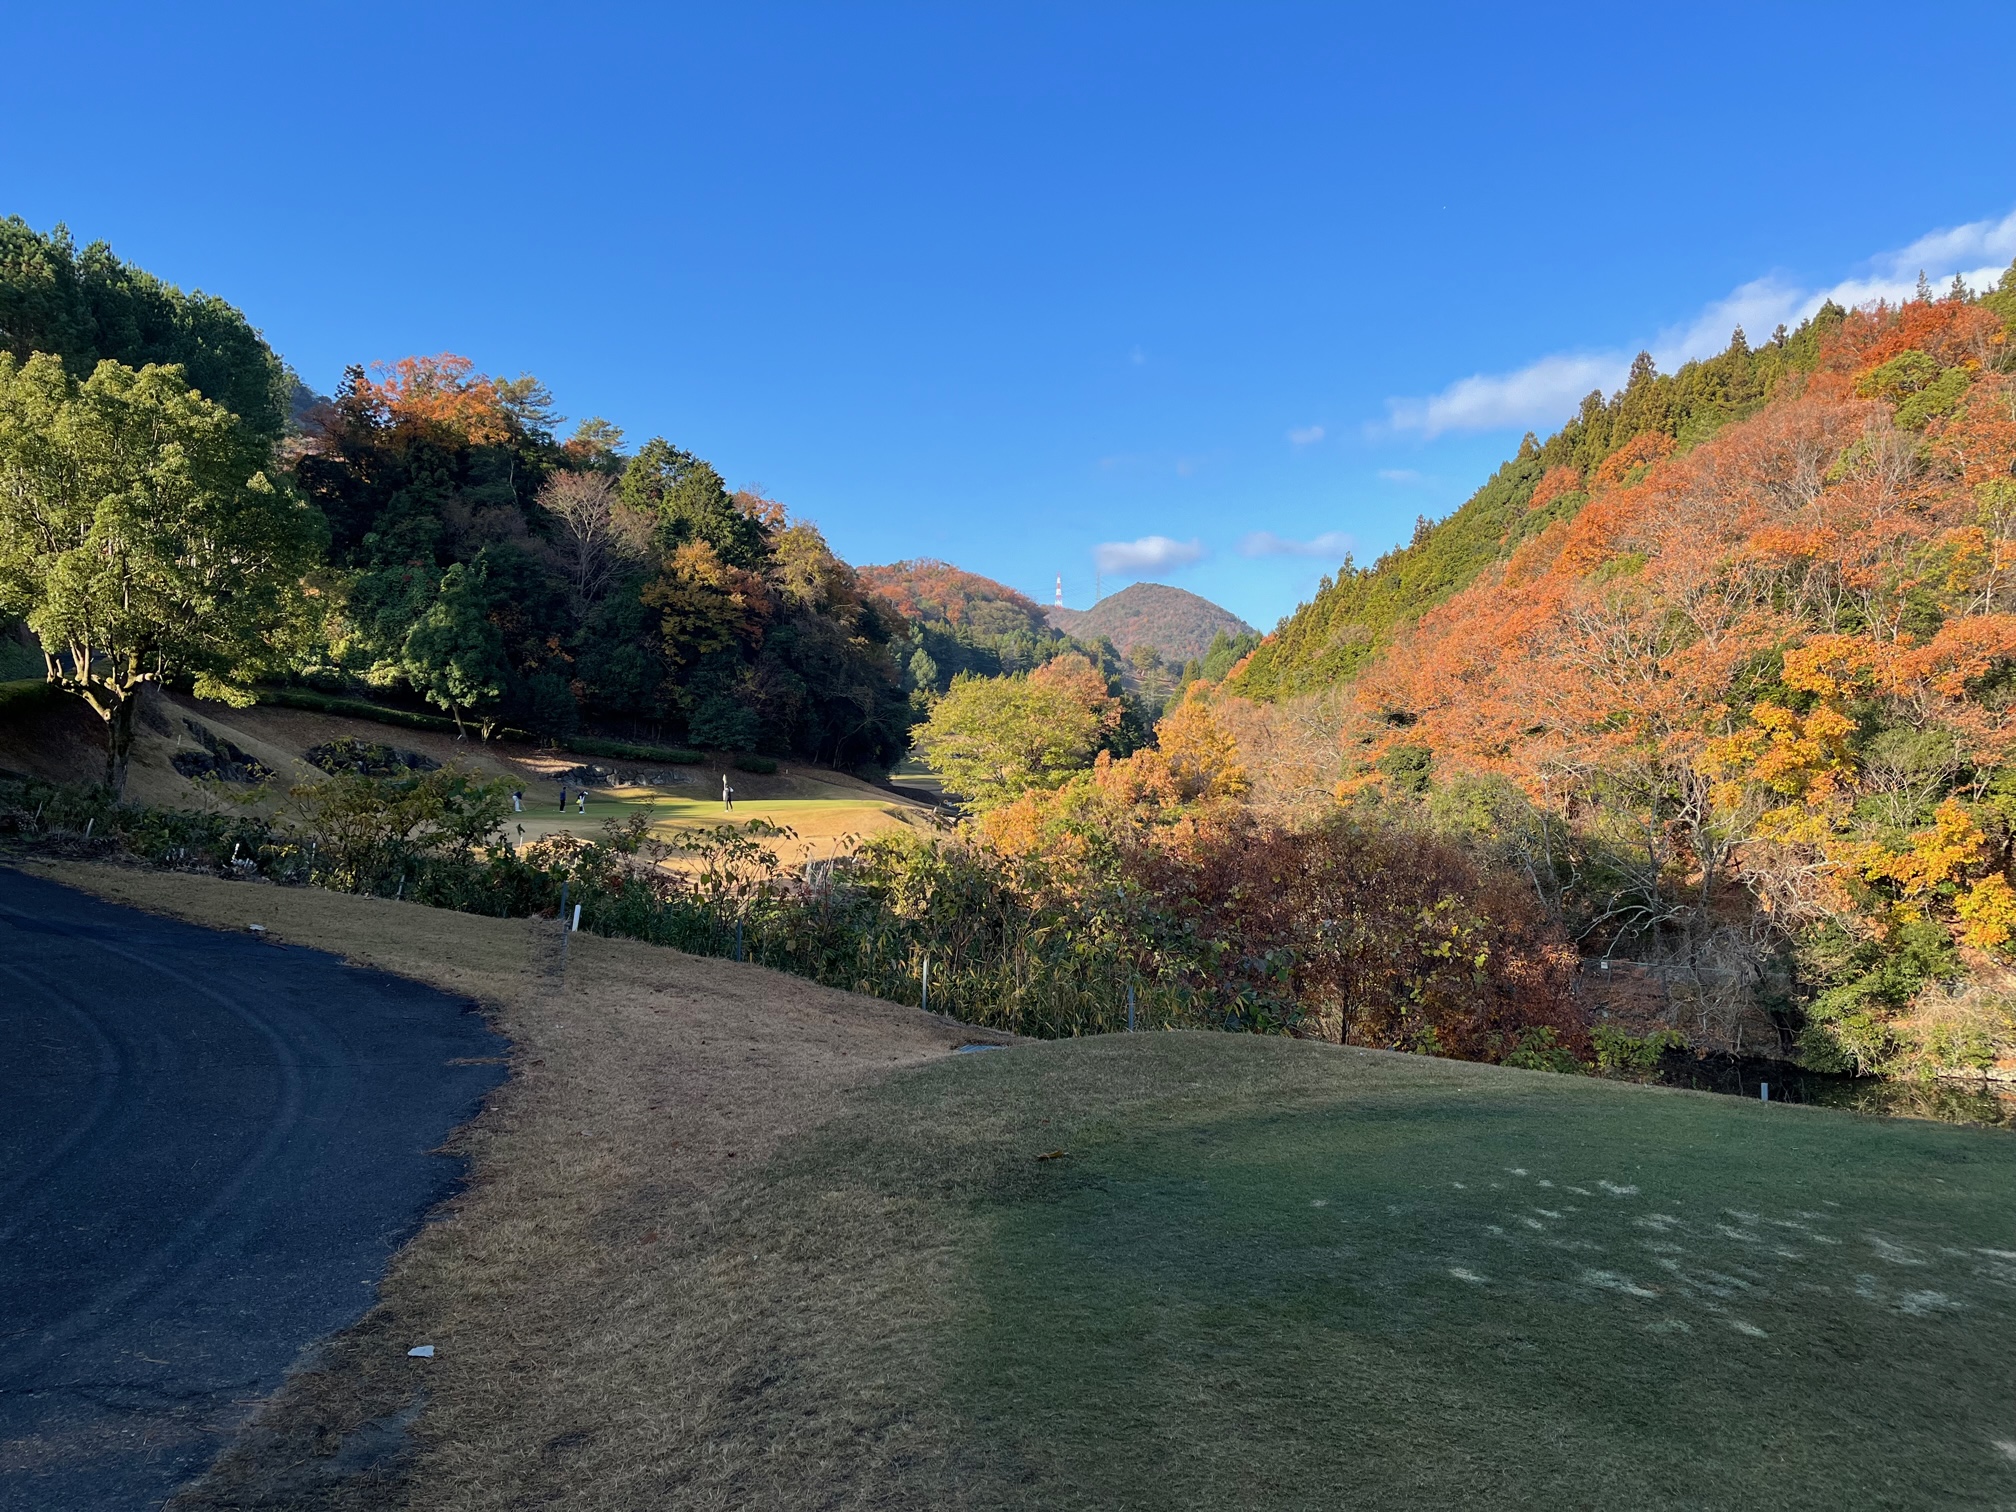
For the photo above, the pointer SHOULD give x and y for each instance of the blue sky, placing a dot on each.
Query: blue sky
(1026, 287)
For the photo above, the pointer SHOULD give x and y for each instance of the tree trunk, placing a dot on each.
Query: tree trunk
(119, 742)
(456, 710)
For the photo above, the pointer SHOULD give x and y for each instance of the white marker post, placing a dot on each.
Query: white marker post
(927, 984)
(577, 920)
(1764, 1091)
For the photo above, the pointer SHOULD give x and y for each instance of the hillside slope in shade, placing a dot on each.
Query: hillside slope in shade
(1174, 621)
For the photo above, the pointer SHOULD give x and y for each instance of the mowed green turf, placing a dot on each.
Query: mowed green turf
(1273, 1274)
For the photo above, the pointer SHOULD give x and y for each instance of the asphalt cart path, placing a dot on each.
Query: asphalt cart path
(210, 1146)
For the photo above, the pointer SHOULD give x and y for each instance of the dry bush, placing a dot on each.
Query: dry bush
(1383, 935)
(1968, 1028)
(1291, 751)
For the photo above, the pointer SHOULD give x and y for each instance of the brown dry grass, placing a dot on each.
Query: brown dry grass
(602, 1343)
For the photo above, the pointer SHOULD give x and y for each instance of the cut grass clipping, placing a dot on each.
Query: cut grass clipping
(1270, 1274)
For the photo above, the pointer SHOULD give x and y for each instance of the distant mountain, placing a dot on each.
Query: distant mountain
(927, 590)
(1177, 623)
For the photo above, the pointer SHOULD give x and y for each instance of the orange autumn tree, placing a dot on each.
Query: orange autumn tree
(444, 395)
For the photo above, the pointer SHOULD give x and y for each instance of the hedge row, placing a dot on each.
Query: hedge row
(579, 745)
(359, 708)
(623, 750)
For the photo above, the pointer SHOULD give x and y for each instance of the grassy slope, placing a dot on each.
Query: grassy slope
(605, 1337)
(722, 1249)
(1274, 1274)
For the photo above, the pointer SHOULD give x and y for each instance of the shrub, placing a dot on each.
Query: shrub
(1957, 1031)
(1541, 1050)
(1381, 934)
(1621, 1053)
(346, 753)
(762, 765)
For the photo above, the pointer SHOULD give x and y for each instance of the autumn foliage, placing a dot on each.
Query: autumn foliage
(925, 589)
(443, 396)
(1353, 929)
(1773, 674)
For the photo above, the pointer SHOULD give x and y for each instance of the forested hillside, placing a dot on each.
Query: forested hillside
(928, 590)
(965, 625)
(1725, 668)
(1180, 625)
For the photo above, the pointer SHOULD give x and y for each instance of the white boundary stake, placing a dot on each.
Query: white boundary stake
(577, 920)
(926, 1004)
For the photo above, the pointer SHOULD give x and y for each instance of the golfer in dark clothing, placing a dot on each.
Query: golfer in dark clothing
(563, 797)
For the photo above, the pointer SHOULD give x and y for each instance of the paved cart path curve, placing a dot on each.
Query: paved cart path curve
(210, 1146)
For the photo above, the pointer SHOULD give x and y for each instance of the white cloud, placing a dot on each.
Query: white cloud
(1305, 435)
(1758, 306)
(1540, 393)
(1332, 545)
(1546, 392)
(1149, 554)
(1400, 475)
(1987, 241)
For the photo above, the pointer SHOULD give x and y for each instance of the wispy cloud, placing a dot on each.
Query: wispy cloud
(1400, 475)
(1332, 544)
(1149, 554)
(1990, 242)
(1546, 392)
(1542, 390)
(1305, 435)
